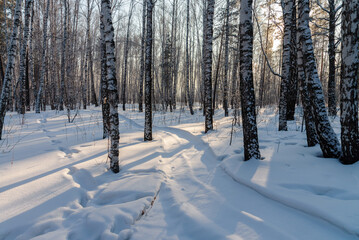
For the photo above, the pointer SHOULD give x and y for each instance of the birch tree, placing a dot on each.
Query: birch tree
(189, 97)
(5, 91)
(311, 133)
(23, 89)
(103, 81)
(63, 58)
(288, 67)
(207, 64)
(111, 85)
(92, 96)
(250, 135)
(226, 64)
(43, 60)
(328, 141)
(125, 58)
(148, 74)
(142, 60)
(349, 82)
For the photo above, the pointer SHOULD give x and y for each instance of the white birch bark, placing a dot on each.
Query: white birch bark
(28, 7)
(250, 135)
(111, 85)
(328, 141)
(349, 82)
(5, 92)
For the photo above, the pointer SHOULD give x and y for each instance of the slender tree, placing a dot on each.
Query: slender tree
(288, 7)
(148, 74)
(207, 65)
(226, 64)
(250, 135)
(5, 92)
(43, 61)
(63, 59)
(111, 84)
(103, 81)
(349, 82)
(311, 133)
(293, 82)
(142, 61)
(327, 138)
(23, 89)
(332, 103)
(189, 97)
(126, 50)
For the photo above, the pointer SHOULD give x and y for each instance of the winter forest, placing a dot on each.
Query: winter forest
(179, 119)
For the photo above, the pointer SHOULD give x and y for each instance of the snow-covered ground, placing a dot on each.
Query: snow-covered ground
(54, 181)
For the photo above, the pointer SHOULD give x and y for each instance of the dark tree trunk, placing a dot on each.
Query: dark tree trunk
(332, 103)
(43, 61)
(349, 82)
(207, 65)
(28, 6)
(287, 66)
(1, 72)
(226, 64)
(63, 59)
(293, 82)
(250, 135)
(148, 75)
(142, 68)
(189, 97)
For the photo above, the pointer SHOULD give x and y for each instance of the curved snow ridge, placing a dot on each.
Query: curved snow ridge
(288, 195)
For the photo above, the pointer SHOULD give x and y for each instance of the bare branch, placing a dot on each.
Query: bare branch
(260, 40)
(323, 8)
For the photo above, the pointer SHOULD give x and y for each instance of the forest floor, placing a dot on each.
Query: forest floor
(55, 182)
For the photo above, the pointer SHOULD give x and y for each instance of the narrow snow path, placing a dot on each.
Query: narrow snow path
(198, 200)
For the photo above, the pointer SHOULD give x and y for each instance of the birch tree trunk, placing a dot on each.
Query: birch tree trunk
(43, 61)
(142, 68)
(125, 58)
(311, 133)
(332, 103)
(148, 75)
(287, 8)
(349, 82)
(293, 82)
(207, 65)
(63, 57)
(328, 141)
(23, 89)
(250, 135)
(93, 98)
(234, 97)
(5, 91)
(175, 55)
(111, 85)
(31, 61)
(226, 67)
(189, 97)
(103, 82)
